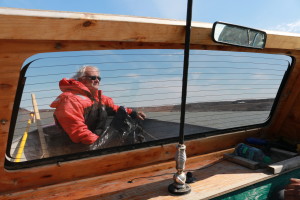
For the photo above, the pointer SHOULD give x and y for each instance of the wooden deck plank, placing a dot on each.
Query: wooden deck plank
(214, 177)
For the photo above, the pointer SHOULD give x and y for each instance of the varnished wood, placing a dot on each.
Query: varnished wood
(214, 177)
(39, 125)
(80, 27)
(66, 171)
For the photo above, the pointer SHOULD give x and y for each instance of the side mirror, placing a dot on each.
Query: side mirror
(238, 35)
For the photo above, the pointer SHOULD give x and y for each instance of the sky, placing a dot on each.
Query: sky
(280, 15)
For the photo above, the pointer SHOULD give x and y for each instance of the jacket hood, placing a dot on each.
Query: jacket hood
(73, 86)
(67, 85)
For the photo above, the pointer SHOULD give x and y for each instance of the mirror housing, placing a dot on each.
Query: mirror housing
(236, 35)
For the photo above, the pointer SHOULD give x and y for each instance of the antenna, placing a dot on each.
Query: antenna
(179, 187)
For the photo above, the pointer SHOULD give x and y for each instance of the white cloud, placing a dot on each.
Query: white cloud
(290, 27)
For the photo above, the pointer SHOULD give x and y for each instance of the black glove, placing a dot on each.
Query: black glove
(118, 120)
(133, 114)
(123, 130)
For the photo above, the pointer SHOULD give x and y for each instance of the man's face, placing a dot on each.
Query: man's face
(87, 79)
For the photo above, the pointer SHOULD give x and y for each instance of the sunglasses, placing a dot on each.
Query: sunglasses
(94, 77)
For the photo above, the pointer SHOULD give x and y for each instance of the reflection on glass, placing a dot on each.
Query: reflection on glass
(225, 90)
(147, 82)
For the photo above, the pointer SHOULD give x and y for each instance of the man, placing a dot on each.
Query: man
(292, 190)
(81, 110)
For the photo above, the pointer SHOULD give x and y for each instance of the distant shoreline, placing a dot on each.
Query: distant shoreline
(238, 105)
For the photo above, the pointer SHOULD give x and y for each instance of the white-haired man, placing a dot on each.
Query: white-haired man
(81, 110)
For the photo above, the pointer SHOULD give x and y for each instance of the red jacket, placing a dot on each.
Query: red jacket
(71, 108)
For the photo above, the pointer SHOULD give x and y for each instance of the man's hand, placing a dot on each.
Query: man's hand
(292, 190)
(141, 115)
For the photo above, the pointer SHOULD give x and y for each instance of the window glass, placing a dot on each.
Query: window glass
(147, 81)
(225, 90)
(231, 89)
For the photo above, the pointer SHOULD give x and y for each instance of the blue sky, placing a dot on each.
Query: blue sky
(262, 14)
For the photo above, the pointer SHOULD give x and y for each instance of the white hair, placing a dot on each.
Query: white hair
(81, 71)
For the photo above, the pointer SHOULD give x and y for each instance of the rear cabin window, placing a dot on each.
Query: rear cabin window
(226, 90)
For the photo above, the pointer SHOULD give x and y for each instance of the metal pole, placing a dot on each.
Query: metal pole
(179, 187)
(185, 69)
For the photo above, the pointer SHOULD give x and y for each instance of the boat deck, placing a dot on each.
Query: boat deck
(214, 177)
